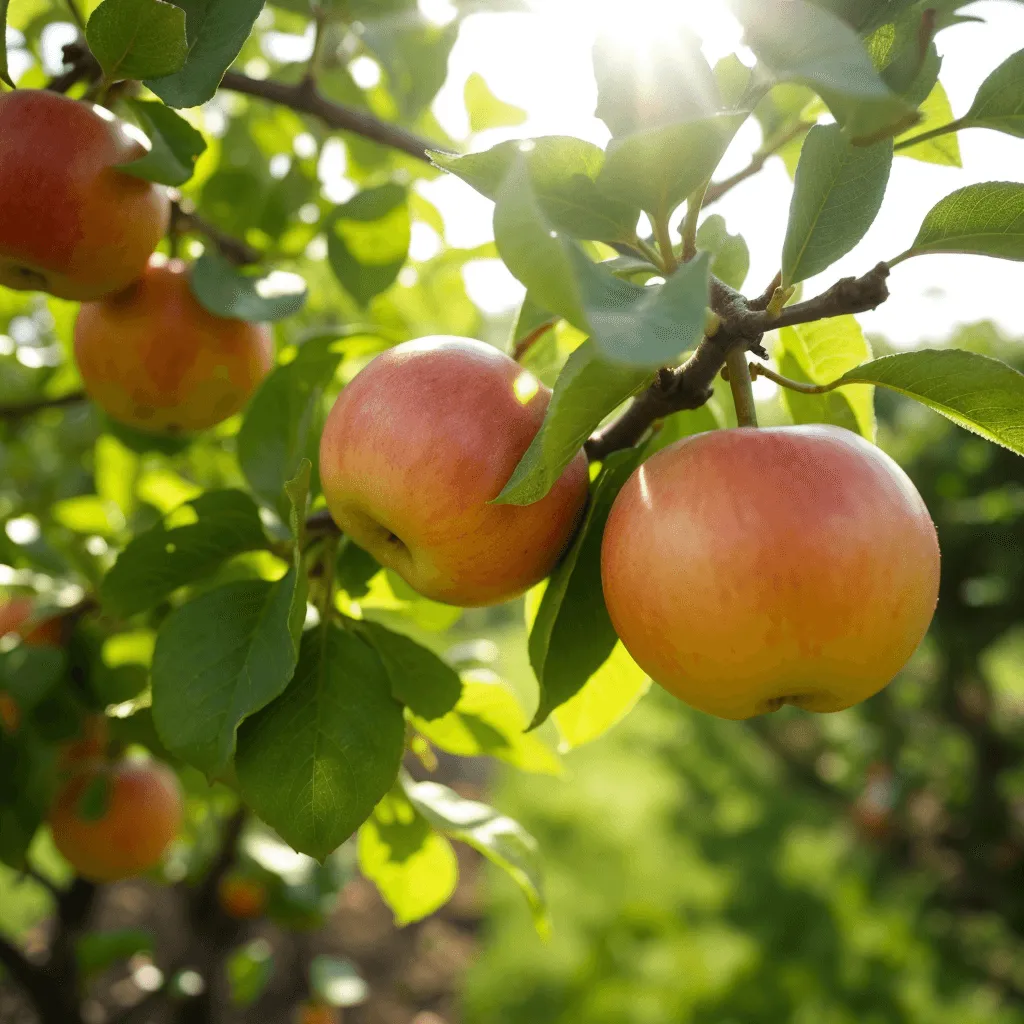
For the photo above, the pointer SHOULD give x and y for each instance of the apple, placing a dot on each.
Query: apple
(751, 568)
(241, 897)
(70, 223)
(17, 612)
(415, 449)
(113, 820)
(153, 358)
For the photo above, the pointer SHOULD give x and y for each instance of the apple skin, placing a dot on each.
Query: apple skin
(142, 817)
(750, 568)
(416, 447)
(17, 611)
(152, 358)
(70, 224)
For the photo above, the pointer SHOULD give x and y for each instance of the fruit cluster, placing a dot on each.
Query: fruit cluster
(726, 560)
(82, 228)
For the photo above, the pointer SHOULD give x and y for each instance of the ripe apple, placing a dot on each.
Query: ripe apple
(154, 359)
(113, 820)
(70, 223)
(750, 568)
(414, 450)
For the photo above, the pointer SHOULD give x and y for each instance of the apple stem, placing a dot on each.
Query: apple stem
(742, 388)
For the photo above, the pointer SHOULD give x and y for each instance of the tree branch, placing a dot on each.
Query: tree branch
(742, 327)
(30, 978)
(203, 900)
(717, 189)
(233, 249)
(22, 409)
(305, 98)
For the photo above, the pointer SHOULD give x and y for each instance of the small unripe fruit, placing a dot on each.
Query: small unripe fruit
(115, 820)
(414, 451)
(153, 358)
(317, 1013)
(746, 569)
(70, 223)
(242, 898)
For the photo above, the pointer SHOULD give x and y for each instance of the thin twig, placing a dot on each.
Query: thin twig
(945, 129)
(717, 189)
(233, 249)
(525, 344)
(305, 98)
(22, 409)
(741, 327)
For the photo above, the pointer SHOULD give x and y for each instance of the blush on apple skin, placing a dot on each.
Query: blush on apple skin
(415, 449)
(750, 568)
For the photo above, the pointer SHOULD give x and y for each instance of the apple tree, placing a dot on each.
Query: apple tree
(250, 475)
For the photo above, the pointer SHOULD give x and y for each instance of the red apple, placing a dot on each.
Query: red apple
(153, 358)
(746, 569)
(414, 451)
(70, 223)
(138, 813)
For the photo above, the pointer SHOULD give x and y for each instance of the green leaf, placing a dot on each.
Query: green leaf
(368, 241)
(533, 250)
(216, 30)
(999, 103)
(485, 109)
(26, 786)
(174, 145)
(605, 699)
(419, 679)
(976, 392)
(97, 951)
(943, 149)
(667, 82)
(562, 172)
(249, 969)
(572, 635)
(587, 390)
(657, 169)
(159, 561)
(838, 193)
(285, 418)
(645, 326)
(29, 673)
(488, 722)
(218, 660)
(501, 840)
(355, 569)
(413, 867)
(799, 42)
(730, 257)
(339, 714)
(224, 290)
(137, 38)
(818, 353)
(985, 219)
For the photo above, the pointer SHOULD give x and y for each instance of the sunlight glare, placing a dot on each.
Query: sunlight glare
(641, 23)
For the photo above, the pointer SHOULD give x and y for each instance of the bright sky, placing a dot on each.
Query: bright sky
(541, 62)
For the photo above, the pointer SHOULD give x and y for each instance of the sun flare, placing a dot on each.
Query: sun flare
(639, 24)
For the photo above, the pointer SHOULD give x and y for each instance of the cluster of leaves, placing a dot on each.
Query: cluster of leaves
(233, 632)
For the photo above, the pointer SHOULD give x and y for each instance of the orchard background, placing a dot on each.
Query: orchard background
(641, 861)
